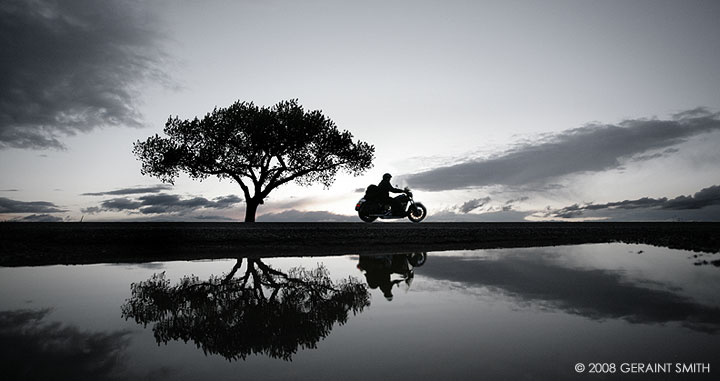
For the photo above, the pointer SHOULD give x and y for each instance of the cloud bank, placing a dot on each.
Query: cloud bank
(38, 218)
(592, 148)
(126, 191)
(162, 203)
(473, 204)
(705, 198)
(13, 206)
(72, 66)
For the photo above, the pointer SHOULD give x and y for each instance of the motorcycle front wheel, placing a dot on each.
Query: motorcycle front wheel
(417, 213)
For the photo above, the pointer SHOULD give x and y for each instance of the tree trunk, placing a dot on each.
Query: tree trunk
(250, 210)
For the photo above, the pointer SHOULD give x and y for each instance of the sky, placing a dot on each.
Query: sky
(487, 110)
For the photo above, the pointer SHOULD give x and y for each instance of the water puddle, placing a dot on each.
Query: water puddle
(505, 313)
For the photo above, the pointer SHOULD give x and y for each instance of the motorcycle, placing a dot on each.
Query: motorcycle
(369, 210)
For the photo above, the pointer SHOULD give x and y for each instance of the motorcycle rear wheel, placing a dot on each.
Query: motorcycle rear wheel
(365, 217)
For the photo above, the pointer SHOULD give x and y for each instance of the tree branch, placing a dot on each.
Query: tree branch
(235, 268)
(305, 172)
(244, 187)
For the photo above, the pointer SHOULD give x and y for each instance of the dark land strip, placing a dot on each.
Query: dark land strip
(30, 244)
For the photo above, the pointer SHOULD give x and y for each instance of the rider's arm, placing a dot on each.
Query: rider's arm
(385, 185)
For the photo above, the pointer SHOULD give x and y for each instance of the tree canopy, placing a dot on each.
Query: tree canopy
(260, 148)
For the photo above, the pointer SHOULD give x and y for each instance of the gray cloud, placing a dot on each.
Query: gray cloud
(211, 217)
(301, 216)
(658, 155)
(706, 197)
(116, 204)
(170, 203)
(39, 218)
(72, 66)
(192, 217)
(496, 213)
(592, 148)
(471, 205)
(515, 200)
(163, 203)
(92, 210)
(13, 206)
(126, 191)
(509, 203)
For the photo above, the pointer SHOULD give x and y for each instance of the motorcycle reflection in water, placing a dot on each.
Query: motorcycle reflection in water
(386, 271)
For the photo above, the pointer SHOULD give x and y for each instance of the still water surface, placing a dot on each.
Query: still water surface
(530, 313)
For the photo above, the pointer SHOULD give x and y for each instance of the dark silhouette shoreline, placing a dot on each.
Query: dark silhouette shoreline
(32, 244)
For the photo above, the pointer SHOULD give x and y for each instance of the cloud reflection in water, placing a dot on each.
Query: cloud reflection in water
(592, 293)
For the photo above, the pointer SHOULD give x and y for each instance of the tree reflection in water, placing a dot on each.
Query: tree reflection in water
(264, 311)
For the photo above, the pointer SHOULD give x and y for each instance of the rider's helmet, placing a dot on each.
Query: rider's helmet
(387, 176)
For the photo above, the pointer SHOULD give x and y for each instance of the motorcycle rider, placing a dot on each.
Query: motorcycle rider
(384, 188)
(378, 271)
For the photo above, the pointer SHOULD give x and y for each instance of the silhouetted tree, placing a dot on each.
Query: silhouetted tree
(260, 148)
(264, 311)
